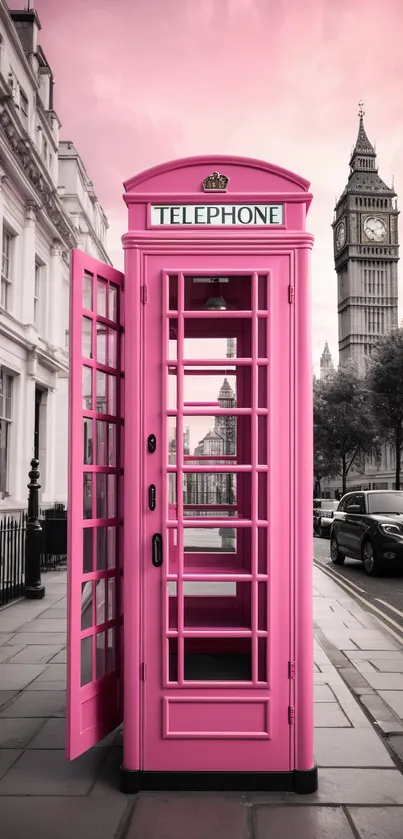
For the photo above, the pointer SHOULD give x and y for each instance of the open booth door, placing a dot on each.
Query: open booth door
(94, 631)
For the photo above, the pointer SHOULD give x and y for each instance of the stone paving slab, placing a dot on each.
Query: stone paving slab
(32, 654)
(14, 677)
(304, 822)
(64, 818)
(16, 733)
(36, 704)
(47, 772)
(188, 817)
(394, 698)
(6, 696)
(348, 786)
(25, 638)
(350, 747)
(377, 822)
(7, 758)
(7, 652)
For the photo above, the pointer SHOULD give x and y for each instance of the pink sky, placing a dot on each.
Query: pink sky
(138, 82)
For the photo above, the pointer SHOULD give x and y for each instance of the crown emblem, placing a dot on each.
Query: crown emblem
(215, 182)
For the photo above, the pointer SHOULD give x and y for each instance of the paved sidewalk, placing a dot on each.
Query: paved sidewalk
(358, 719)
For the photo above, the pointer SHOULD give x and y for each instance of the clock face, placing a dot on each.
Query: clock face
(375, 228)
(340, 235)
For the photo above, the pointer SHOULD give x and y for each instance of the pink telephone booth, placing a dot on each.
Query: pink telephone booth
(190, 529)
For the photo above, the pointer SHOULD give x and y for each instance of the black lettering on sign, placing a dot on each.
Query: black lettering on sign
(241, 215)
(162, 210)
(260, 215)
(212, 212)
(185, 219)
(175, 215)
(199, 220)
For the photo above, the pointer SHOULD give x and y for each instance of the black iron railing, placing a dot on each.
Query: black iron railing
(12, 548)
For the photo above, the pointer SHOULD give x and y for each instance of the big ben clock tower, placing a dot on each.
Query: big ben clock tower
(366, 254)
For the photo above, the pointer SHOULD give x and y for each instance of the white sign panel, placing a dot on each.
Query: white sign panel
(230, 215)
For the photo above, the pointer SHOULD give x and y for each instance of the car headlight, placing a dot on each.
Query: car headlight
(392, 529)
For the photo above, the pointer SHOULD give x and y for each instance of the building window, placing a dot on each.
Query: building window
(45, 150)
(5, 423)
(37, 295)
(24, 108)
(6, 270)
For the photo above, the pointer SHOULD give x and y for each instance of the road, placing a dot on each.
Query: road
(380, 596)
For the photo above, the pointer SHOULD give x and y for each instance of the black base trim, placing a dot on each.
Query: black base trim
(302, 782)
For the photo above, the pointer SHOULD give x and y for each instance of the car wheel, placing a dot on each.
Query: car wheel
(369, 558)
(335, 555)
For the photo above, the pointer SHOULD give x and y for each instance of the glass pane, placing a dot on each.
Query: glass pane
(87, 495)
(173, 292)
(262, 337)
(86, 605)
(87, 440)
(110, 651)
(88, 543)
(87, 338)
(262, 293)
(217, 292)
(100, 654)
(172, 388)
(262, 496)
(262, 388)
(211, 489)
(262, 659)
(102, 502)
(210, 539)
(111, 599)
(173, 339)
(101, 343)
(112, 347)
(102, 443)
(111, 444)
(112, 395)
(111, 496)
(171, 430)
(224, 340)
(100, 601)
(262, 550)
(101, 298)
(173, 659)
(172, 605)
(101, 392)
(213, 436)
(215, 388)
(172, 537)
(101, 548)
(262, 606)
(87, 389)
(218, 659)
(86, 661)
(262, 440)
(111, 547)
(87, 292)
(113, 303)
(217, 605)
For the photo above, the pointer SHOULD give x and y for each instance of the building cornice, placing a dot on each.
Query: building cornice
(12, 34)
(25, 154)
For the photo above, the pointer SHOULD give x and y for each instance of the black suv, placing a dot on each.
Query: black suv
(369, 526)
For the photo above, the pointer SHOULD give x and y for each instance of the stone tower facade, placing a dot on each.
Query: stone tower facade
(366, 255)
(326, 362)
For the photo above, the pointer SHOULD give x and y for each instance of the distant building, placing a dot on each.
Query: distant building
(366, 253)
(47, 206)
(326, 363)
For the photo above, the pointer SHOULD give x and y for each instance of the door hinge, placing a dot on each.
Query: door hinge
(291, 293)
(291, 669)
(144, 294)
(291, 714)
(143, 671)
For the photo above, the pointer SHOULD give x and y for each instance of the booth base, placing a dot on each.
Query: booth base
(297, 781)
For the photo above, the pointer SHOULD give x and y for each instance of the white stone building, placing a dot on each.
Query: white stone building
(47, 206)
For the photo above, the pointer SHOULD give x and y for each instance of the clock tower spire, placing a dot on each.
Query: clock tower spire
(366, 254)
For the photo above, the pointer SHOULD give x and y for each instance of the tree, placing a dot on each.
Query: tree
(344, 429)
(384, 381)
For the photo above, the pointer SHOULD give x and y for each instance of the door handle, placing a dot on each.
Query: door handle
(157, 550)
(152, 497)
